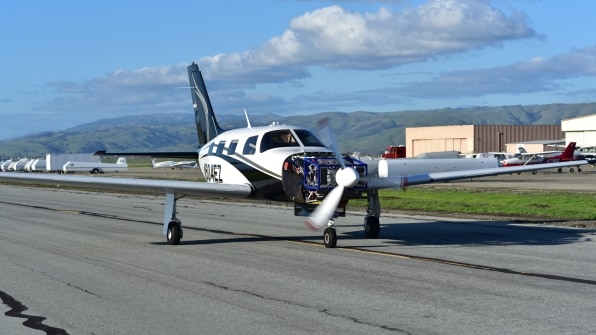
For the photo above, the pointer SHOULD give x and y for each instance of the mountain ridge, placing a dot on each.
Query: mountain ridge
(367, 132)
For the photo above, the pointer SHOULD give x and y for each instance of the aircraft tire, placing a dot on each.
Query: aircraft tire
(330, 237)
(571, 170)
(174, 233)
(372, 228)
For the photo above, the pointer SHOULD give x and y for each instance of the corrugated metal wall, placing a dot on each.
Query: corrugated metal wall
(494, 137)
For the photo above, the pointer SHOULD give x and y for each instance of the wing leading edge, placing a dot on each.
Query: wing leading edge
(135, 184)
(427, 178)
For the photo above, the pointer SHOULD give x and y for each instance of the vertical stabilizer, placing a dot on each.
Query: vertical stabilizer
(207, 127)
(569, 151)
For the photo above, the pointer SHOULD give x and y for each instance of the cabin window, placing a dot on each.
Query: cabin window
(250, 147)
(220, 147)
(308, 139)
(232, 148)
(278, 139)
(212, 148)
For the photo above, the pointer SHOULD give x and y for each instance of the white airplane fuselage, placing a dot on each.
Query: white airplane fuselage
(248, 156)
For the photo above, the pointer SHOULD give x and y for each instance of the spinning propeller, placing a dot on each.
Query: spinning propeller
(345, 177)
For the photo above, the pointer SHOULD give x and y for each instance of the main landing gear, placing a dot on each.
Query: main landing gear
(174, 233)
(172, 227)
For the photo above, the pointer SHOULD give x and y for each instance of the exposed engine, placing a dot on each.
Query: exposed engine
(308, 177)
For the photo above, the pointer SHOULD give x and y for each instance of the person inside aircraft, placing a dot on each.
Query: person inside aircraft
(277, 139)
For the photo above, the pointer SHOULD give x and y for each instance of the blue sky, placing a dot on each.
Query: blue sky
(64, 63)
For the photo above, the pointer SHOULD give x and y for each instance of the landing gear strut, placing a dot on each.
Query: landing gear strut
(372, 228)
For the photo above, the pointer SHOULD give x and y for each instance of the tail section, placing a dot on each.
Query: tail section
(207, 127)
(567, 155)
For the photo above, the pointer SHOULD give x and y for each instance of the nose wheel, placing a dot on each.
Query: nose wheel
(330, 236)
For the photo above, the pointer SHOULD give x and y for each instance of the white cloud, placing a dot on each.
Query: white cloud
(335, 37)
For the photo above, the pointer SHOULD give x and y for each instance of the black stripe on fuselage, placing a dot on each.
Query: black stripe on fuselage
(267, 184)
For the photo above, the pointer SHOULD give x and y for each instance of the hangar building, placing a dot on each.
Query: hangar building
(471, 139)
(581, 130)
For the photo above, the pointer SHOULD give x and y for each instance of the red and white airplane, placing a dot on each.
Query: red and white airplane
(527, 158)
(285, 163)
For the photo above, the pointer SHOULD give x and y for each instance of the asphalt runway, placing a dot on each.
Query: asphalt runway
(97, 263)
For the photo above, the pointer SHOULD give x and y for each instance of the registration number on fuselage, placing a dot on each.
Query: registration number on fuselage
(212, 173)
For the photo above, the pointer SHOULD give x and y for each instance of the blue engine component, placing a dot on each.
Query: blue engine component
(319, 173)
(307, 178)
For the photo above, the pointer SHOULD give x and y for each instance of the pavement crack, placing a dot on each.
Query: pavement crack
(32, 321)
(324, 311)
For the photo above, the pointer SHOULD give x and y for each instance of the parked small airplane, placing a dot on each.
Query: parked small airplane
(174, 164)
(286, 163)
(528, 158)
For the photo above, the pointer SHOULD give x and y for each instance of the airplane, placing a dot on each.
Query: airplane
(285, 163)
(527, 158)
(173, 164)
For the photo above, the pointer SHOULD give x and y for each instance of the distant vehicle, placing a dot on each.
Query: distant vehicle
(173, 164)
(55, 162)
(528, 158)
(94, 168)
(394, 151)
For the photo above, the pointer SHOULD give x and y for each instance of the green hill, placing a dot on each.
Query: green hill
(366, 132)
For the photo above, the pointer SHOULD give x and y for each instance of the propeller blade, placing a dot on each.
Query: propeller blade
(324, 212)
(327, 137)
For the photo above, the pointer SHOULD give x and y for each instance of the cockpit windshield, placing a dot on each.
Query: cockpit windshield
(285, 138)
(308, 139)
(278, 139)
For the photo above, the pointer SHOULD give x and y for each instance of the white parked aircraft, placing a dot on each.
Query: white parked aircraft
(174, 164)
(287, 163)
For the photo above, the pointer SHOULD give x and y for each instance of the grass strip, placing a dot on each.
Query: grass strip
(547, 205)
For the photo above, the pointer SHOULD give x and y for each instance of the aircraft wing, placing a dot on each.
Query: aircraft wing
(179, 164)
(134, 184)
(163, 154)
(427, 178)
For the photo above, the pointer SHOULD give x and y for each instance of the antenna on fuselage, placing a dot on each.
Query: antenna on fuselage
(247, 120)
